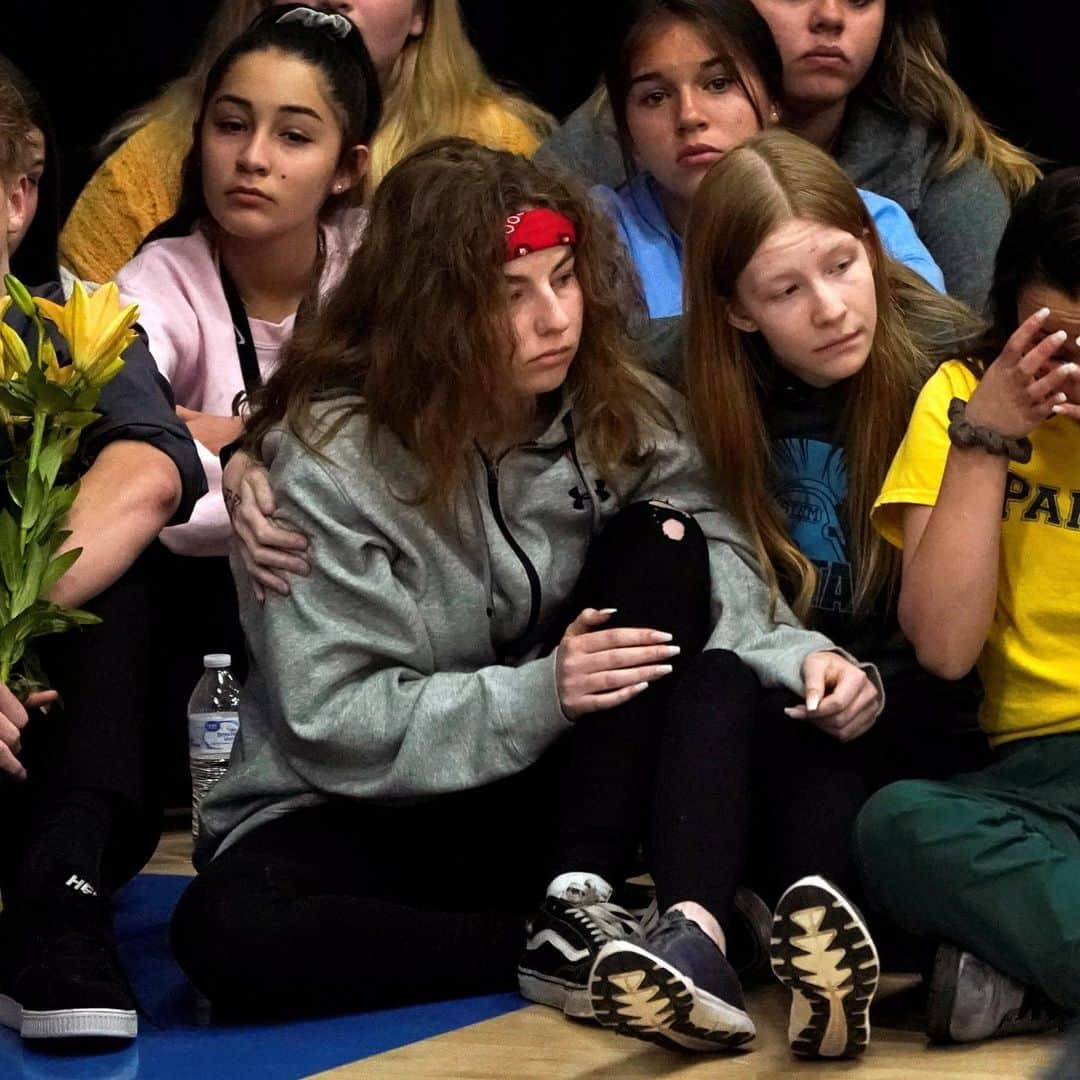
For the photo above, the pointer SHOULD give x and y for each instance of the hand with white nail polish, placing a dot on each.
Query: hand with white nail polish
(841, 699)
(1024, 386)
(599, 669)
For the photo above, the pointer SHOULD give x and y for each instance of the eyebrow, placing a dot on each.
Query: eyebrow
(829, 253)
(302, 110)
(518, 279)
(651, 76)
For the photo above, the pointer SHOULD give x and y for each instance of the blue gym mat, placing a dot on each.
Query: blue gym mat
(171, 1044)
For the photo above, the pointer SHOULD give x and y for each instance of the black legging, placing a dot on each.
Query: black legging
(96, 752)
(352, 904)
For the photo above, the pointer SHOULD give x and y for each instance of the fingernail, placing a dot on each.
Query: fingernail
(792, 711)
(1059, 336)
(1042, 313)
(1056, 410)
(674, 650)
(662, 636)
(1078, 341)
(606, 610)
(664, 669)
(1068, 368)
(812, 702)
(642, 686)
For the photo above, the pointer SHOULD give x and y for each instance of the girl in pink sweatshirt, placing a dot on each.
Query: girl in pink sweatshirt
(263, 229)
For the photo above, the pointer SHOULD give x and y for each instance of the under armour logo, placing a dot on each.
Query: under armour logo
(582, 497)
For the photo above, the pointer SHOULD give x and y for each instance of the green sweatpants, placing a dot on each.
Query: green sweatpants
(988, 860)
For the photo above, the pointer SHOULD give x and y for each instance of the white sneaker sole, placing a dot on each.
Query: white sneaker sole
(822, 951)
(640, 995)
(573, 1000)
(68, 1023)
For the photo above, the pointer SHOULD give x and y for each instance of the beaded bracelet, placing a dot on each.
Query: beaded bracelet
(963, 433)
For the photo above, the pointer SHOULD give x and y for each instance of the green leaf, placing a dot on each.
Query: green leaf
(58, 568)
(16, 481)
(49, 462)
(10, 552)
(26, 593)
(35, 500)
(16, 400)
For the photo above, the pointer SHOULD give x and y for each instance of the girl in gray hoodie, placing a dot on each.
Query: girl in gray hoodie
(523, 611)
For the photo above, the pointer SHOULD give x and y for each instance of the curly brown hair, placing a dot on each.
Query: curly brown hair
(418, 334)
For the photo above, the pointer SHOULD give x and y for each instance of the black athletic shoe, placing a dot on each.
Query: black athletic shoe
(748, 938)
(60, 975)
(970, 1000)
(822, 951)
(564, 937)
(673, 987)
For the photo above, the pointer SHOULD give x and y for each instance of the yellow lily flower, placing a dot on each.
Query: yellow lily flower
(54, 372)
(96, 329)
(5, 303)
(14, 357)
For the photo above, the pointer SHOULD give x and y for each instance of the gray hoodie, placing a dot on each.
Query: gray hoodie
(959, 216)
(408, 664)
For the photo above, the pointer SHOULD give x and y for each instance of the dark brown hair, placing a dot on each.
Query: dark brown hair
(733, 29)
(419, 329)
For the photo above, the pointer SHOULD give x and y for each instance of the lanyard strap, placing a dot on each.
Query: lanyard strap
(245, 346)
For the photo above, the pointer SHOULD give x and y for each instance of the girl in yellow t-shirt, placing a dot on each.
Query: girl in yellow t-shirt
(433, 84)
(983, 496)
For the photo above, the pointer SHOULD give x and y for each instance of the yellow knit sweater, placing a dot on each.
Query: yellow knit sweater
(137, 187)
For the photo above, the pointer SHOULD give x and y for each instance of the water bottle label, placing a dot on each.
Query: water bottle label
(211, 735)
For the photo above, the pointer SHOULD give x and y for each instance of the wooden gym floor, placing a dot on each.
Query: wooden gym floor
(537, 1043)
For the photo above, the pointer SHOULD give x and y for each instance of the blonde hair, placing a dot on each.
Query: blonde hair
(437, 81)
(910, 75)
(774, 177)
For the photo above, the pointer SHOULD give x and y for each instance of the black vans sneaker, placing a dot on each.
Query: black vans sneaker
(970, 1000)
(673, 987)
(60, 975)
(564, 937)
(822, 951)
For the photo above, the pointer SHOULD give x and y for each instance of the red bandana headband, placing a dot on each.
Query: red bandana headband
(537, 230)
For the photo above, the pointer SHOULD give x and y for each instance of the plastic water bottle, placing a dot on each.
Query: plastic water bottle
(213, 722)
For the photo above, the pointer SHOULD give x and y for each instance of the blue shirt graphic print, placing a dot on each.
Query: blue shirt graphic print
(811, 488)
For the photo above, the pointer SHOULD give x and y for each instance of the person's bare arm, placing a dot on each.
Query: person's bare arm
(951, 550)
(125, 499)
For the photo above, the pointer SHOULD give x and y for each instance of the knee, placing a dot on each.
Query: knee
(890, 822)
(718, 681)
(656, 520)
(211, 934)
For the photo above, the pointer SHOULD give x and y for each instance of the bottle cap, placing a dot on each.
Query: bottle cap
(217, 660)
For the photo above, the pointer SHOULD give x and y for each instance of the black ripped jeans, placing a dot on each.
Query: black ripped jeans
(358, 905)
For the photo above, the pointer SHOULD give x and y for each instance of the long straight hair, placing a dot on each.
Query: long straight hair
(774, 177)
(438, 85)
(910, 75)
(417, 336)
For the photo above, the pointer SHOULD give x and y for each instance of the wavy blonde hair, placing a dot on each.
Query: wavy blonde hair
(773, 177)
(910, 75)
(438, 80)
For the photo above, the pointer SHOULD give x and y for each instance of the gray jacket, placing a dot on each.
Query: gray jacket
(959, 216)
(409, 663)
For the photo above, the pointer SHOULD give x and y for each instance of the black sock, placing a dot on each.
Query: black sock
(65, 846)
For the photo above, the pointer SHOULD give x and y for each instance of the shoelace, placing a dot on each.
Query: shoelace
(607, 921)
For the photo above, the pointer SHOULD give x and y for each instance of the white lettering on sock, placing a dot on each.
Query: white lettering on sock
(75, 882)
